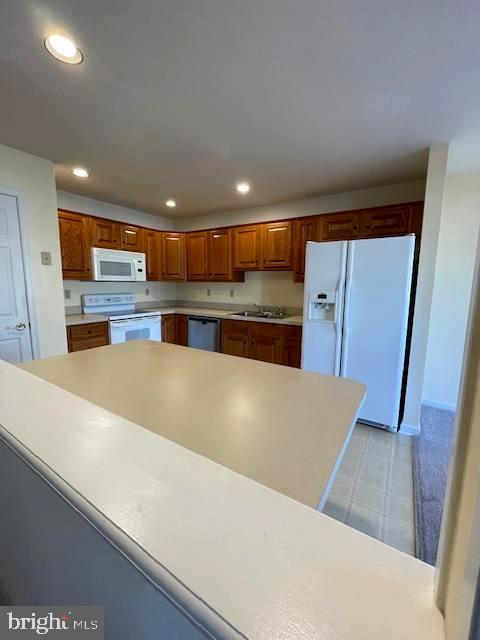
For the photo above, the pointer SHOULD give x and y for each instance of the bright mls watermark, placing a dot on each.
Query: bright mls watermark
(56, 622)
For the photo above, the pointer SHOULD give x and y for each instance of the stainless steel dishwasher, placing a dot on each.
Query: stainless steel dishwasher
(204, 333)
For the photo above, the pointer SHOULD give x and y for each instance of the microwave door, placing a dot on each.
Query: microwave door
(120, 270)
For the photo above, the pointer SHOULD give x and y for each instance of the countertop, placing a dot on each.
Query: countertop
(81, 318)
(280, 426)
(200, 532)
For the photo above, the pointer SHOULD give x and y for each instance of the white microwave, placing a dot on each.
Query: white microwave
(118, 266)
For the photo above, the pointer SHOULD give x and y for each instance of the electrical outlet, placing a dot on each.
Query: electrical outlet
(46, 258)
(147, 291)
(68, 294)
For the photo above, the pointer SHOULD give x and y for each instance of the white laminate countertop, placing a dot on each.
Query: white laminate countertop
(280, 426)
(82, 318)
(225, 549)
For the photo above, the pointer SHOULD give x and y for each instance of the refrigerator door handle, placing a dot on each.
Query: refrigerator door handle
(339, 310)
(346, 307)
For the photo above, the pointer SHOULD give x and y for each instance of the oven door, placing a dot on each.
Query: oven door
(144, 328)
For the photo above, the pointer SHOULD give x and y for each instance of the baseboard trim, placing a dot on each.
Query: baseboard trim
(409, 429)
(440, 405)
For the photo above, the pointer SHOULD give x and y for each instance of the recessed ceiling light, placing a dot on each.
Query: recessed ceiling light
(80, 172)
(243, 187)
(171, 203)
(63, 49)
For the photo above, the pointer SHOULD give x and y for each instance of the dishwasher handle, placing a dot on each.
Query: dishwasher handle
(203, 320)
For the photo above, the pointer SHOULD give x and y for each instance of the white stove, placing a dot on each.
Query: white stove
(124, 321)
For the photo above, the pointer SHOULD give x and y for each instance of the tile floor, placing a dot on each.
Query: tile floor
(373, 491)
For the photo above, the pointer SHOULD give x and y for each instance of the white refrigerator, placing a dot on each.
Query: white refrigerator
(356, 307)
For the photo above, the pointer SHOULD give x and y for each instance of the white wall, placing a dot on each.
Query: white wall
(452, 288)
(34, 178)
(81, 204)
(432, 214)
(393, 194)
(268, 287)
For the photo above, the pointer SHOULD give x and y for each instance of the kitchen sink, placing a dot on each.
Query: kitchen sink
(248, 314)
(267, 315)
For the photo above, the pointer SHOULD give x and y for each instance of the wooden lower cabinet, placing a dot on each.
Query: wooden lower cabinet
(87, 336)
(268, 342)
(235, 338)
(181, 326)
(175, 329)
(292, 346)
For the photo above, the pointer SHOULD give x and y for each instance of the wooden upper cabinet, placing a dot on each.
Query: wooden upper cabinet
(105, 233)
(246, 247)
(197, 248)
(173, 256)
(304, 229)
(385, 221)
(277, 245)
(75, 246)
(340, 226)
(151, 246)
(416, 218)
(220, 263)
(131, 238)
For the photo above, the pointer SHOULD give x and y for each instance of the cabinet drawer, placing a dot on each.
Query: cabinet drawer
(268, 330)
(86, 331)
(236, 326)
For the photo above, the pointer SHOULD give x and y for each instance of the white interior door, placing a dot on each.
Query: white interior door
(15, 340)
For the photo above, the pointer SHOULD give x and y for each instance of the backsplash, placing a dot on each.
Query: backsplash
(262, 287)
(157, 290)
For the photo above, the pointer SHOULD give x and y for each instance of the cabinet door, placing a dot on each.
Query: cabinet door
(131, 238)
(416, 219)
(173, 256)
(292, 347)
(235, 338)
(246, 248)
(169, 329)
(341, 226)
(304, 229)
(75, 245)
(181, 327)
(276, 245)
(384, 221)
(266, 342)
(105, 233)
(151, 246)
(197, 246)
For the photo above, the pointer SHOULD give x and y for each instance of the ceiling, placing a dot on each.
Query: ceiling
(183, 98)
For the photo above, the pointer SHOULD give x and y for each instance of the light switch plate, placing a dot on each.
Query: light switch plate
(46, 258)
(68, 294)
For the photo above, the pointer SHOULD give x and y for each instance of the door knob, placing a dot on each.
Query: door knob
(20, 326)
